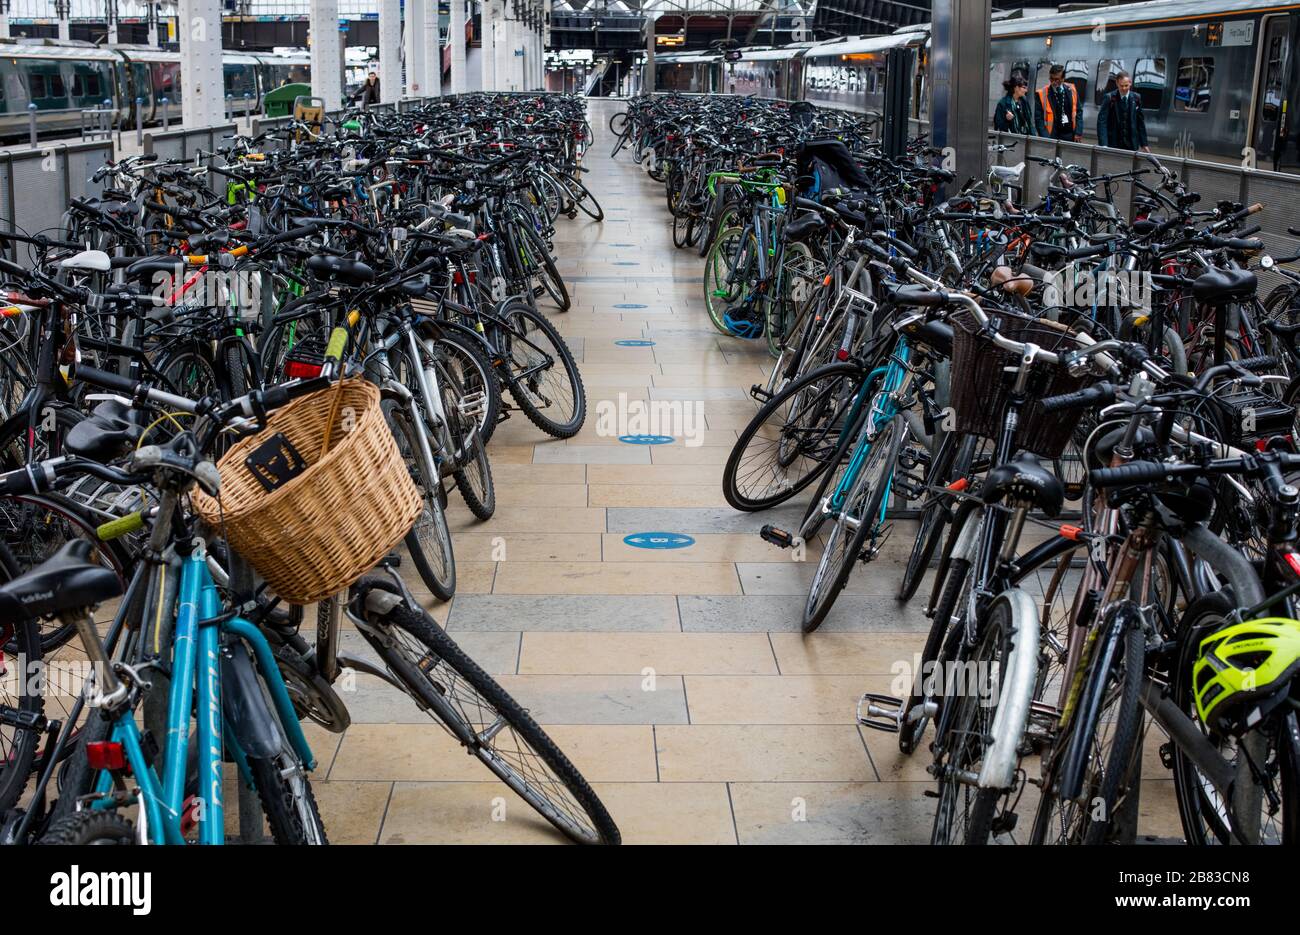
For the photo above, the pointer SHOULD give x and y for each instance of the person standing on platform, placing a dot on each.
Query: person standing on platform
(369, 92)
(1059, 114)
(1120, 123)
(1011, 115)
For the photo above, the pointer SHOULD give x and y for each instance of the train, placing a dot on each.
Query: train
(63, 79)
(1215, 77)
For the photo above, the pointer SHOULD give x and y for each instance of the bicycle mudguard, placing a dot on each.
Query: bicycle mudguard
(1002, 757)
(251, 722)
(1105, 652)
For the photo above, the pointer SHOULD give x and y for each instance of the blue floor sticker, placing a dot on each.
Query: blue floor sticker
(645, 439)
(659, 540)
(635, 342)
(629, 305)
(626, 263)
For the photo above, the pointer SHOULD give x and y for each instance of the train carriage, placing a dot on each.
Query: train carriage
(63, 79)
(1218, 80)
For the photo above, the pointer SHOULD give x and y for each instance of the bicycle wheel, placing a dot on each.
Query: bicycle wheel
(20, 704)
(584, 200)
(429, 541)
(465, 358)
(287, 800)
(542, 376)
(1113, 755)
(726, 273)
(491, 725)
(965, 811)
(791, 439)
(90, 827)
(860, 517)
(950, 463)
(537, 262)
(1206, 816)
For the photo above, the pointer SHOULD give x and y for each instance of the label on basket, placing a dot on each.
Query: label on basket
(275, 462)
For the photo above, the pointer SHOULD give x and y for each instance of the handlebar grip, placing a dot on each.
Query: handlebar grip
(1083, 252)
(1100, 392)
(338, 341)
(1256, 364)
(13, 269)
(122, 526)
(18, 483)
(1137, 472)
(109, 381)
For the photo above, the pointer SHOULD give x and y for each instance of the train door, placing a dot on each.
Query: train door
(1276, 125)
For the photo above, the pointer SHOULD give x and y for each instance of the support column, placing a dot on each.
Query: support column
(326, 49)
(390, 51)
(4, 18)
(433, 51)
(457, 27)
(110, 20)
(199, 32)
(413, 48)
(151, 21)
(487, 42)
(959, 67)
(63, 9)
(501, 48)
(648, 79)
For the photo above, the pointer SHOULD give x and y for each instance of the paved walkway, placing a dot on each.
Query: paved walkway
(675, 678)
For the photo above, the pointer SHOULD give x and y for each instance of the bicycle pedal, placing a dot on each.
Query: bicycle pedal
(778, 537)
(1167, 755)
(759, 393)
(883, 712)
(391, 560)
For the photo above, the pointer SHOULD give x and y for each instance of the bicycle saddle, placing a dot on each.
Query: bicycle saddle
(148, 267)
(107, 433)
(936, 335)
(1008, 173)
(1025, 479)
(806, 226)
(341, 270)
(67, 580)
(91, 261)
(1224, 285)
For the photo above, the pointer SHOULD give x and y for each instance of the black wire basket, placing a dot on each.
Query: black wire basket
(983, 375)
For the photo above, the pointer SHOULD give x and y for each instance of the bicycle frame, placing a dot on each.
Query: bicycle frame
(196, 685)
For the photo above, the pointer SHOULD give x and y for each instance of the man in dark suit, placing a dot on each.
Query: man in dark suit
(1120, 124)
(1058, 112)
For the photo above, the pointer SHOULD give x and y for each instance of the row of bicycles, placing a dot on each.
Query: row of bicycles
(1079, 418)
(236, 394)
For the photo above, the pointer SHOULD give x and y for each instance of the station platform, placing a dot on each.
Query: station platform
(641, 619)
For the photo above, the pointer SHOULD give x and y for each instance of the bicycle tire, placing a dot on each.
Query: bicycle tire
(430, 530)
(287, 801)
(449, 685)
(563, 370)
(1099, 797)
(90, 827)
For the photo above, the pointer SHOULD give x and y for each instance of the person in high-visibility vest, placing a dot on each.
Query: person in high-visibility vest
(1058, 113)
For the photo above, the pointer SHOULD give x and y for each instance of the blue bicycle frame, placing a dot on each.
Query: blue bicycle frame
(196, 666)
(884, 407)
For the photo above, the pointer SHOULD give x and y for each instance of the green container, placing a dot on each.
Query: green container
(279, 103)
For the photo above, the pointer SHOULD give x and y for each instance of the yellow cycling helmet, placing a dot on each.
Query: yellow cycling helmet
(1244, 670)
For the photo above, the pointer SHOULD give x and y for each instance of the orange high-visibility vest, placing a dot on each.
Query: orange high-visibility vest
(1049, 115)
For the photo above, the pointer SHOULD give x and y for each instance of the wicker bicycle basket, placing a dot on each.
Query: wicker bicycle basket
(319, 532)
(982, 382)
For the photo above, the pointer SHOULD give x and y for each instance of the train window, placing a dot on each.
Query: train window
(1076, 72)
(997, 75)
(1192, 88)
(1107, 69)
(1273, 77)
(1149, 82)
